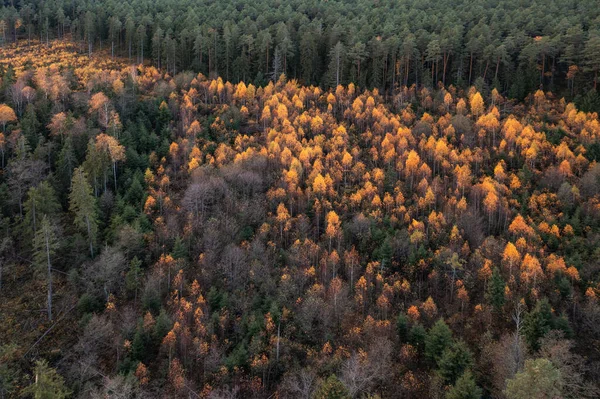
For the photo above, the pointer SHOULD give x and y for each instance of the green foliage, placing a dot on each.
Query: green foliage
(438, 339)
(331, 388)
(9, 369)
(402, 327)
(47, 384)
(454, 361)
(495, 291)
(133, 278)
(417, 336)
(88, 304)
(179, 249)
(539, 379)
(464, 388)
(83, 205)
(540, 320)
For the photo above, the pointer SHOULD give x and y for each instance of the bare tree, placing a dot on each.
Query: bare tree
(361, 373)
(299, 385)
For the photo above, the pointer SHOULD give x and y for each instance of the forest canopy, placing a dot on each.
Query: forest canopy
(299, 199)
(513, 45)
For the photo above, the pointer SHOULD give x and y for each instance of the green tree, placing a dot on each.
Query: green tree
(591, 54)
(454, 361)
(45, 245)
(41, 201)
(538, 322)
(332, 388)
(9, 370)
(83, 205)
(465, 388)
(495, 290)
(540, 379)
(402, 327)
(48, 384)
(438, 339)
(336, 64)
(133, 278)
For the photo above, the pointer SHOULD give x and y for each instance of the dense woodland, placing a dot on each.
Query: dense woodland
(169, 234)
(514, 45)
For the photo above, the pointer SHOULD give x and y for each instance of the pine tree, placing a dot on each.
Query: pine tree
(438, 339)
(455, 361)
(48, 384)
(495, 291)
(41, 201)
(465, 388)
(332, 388)
(83, 205)
(45, 245)
(133, 280)
(538, 323)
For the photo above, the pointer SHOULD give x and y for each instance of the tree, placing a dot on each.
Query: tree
(336, 64)
(592, 56)
(116, 152)
(465, 388)
(6, 115)
(438, 339)
(331, 388)
(495, 292)
(538, 322)
(455, 361)
(133, 278)
(41, 200)
(540, 379)
(83, 205)
(48, 384)
(333, 227)
(477, 105)
(511, 256)
(45, 245)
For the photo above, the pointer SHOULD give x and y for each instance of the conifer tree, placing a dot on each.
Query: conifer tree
(83, 205)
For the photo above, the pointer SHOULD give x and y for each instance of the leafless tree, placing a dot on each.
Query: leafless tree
(361, 373)
(299, 385)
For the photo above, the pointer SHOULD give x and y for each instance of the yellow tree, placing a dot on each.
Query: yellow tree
(6, 115)
(115, 151)
(477, 105)
(282, 218)
(333, 227)
(100, 104)
(511, 256)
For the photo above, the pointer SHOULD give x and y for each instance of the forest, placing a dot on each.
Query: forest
(515, 46)
(225, 200)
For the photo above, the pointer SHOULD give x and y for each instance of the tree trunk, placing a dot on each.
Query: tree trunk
(446, 59)
(49, 277)
(470, 68)
(89, 231)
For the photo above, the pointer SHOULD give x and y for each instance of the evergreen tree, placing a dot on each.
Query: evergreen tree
(454, 361)
(47, 384)
(83, 205)
(438, 339)
(332, 388)
(133, 278)
(465, 388)
(538, 322)
(45, 245)
(41, 201)
(495, 291)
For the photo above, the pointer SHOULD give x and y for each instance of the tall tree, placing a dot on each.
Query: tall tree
(48, 384)
(83, 205)
(45, 245)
